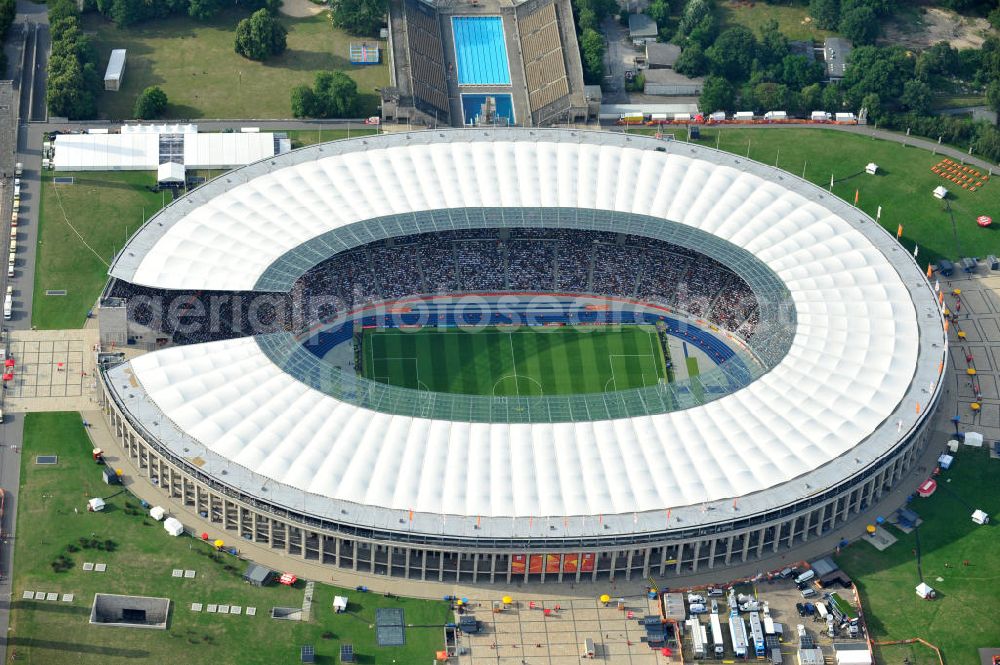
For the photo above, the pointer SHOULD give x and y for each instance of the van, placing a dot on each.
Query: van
(10, 269)
(786, 573)
(695, 598)
(808, 592)
(697, 608)
(805, 577)
(715, 592)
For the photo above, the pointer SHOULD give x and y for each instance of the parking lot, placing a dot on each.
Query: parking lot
(787, 607)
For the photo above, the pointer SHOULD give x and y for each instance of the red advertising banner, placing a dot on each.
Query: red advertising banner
(517, 564)
(535, 563)
(571, 562)
(552, 562)
(587, 563)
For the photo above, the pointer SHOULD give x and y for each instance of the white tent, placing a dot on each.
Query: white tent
(940, 192)
(170, 172)
(173, 526)
(980, 517)
(340, 604)
(872, 168)
(95, 504)
(944, 461)
(924, 590)
(953, 446)
(974, 439)
(157, 513)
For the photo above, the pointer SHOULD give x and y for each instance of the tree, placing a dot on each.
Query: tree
(303, 102)
(260, 36)
(987, 141)
(204, 9)
(336, 94)
(694, 12)
(993, 98)
(811, 98)
(873, 104)
(333, 95)
(717, 94)
(771, 96)
(798, 71)
(833, 98)
(659, 11)
(938, 60)
(773, 46)
(733, 53)
(692, 61)
(705, 32)
(592, 52)
(859, 25)
(151, 103)
(879, 70)
(826, 13)
(917, 96)
(359, 17)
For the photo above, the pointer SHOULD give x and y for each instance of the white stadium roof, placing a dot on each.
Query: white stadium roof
(860, 364)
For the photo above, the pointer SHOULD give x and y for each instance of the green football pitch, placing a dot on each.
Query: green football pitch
(515, 362)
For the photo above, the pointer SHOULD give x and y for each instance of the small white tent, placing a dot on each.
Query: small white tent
(980, 517)
(157, 513)
(974, 439)
(173, 526)
(872, 168)
(340, 604)
(925, 591)
(95, 504)
(170, 172)
(940, 192)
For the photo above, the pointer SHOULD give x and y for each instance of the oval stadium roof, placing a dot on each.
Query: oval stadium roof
(866, 350)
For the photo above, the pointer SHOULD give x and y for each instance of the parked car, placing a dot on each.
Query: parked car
(801, 609)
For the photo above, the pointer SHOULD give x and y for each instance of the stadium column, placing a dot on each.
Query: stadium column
(423, 566)
(406, 564)
(628, 564)
(711, 553)
(645, 563)
(493, 566)
(806, 526)
(760, 541)
(729, 549)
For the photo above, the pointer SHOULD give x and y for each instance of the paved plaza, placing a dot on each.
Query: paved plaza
(524, 633)
(53, 371)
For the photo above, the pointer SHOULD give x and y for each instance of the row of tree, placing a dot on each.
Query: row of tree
(588, 15)
(8, 9)
(129, 12)
(73, 77)
(359, 17)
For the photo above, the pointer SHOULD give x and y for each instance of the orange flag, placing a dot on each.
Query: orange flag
(899, 232)
(930, 271)
(856, 194)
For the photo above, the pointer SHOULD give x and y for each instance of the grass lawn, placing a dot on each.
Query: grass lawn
(303, 137)
(195, 64)
(903, 187)
(964, 616)
(790, 18)
(523, 361)
(47, 632)
(81, 226)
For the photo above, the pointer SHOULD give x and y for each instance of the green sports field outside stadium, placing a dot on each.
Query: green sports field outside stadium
(519, 361)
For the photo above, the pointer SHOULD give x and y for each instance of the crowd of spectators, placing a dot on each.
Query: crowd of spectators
(489, 260)
(546, 260)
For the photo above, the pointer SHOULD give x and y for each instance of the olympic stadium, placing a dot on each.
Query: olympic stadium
(719, 360)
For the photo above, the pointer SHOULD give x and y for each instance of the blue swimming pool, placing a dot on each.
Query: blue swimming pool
(480, 50)
(472, 106)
